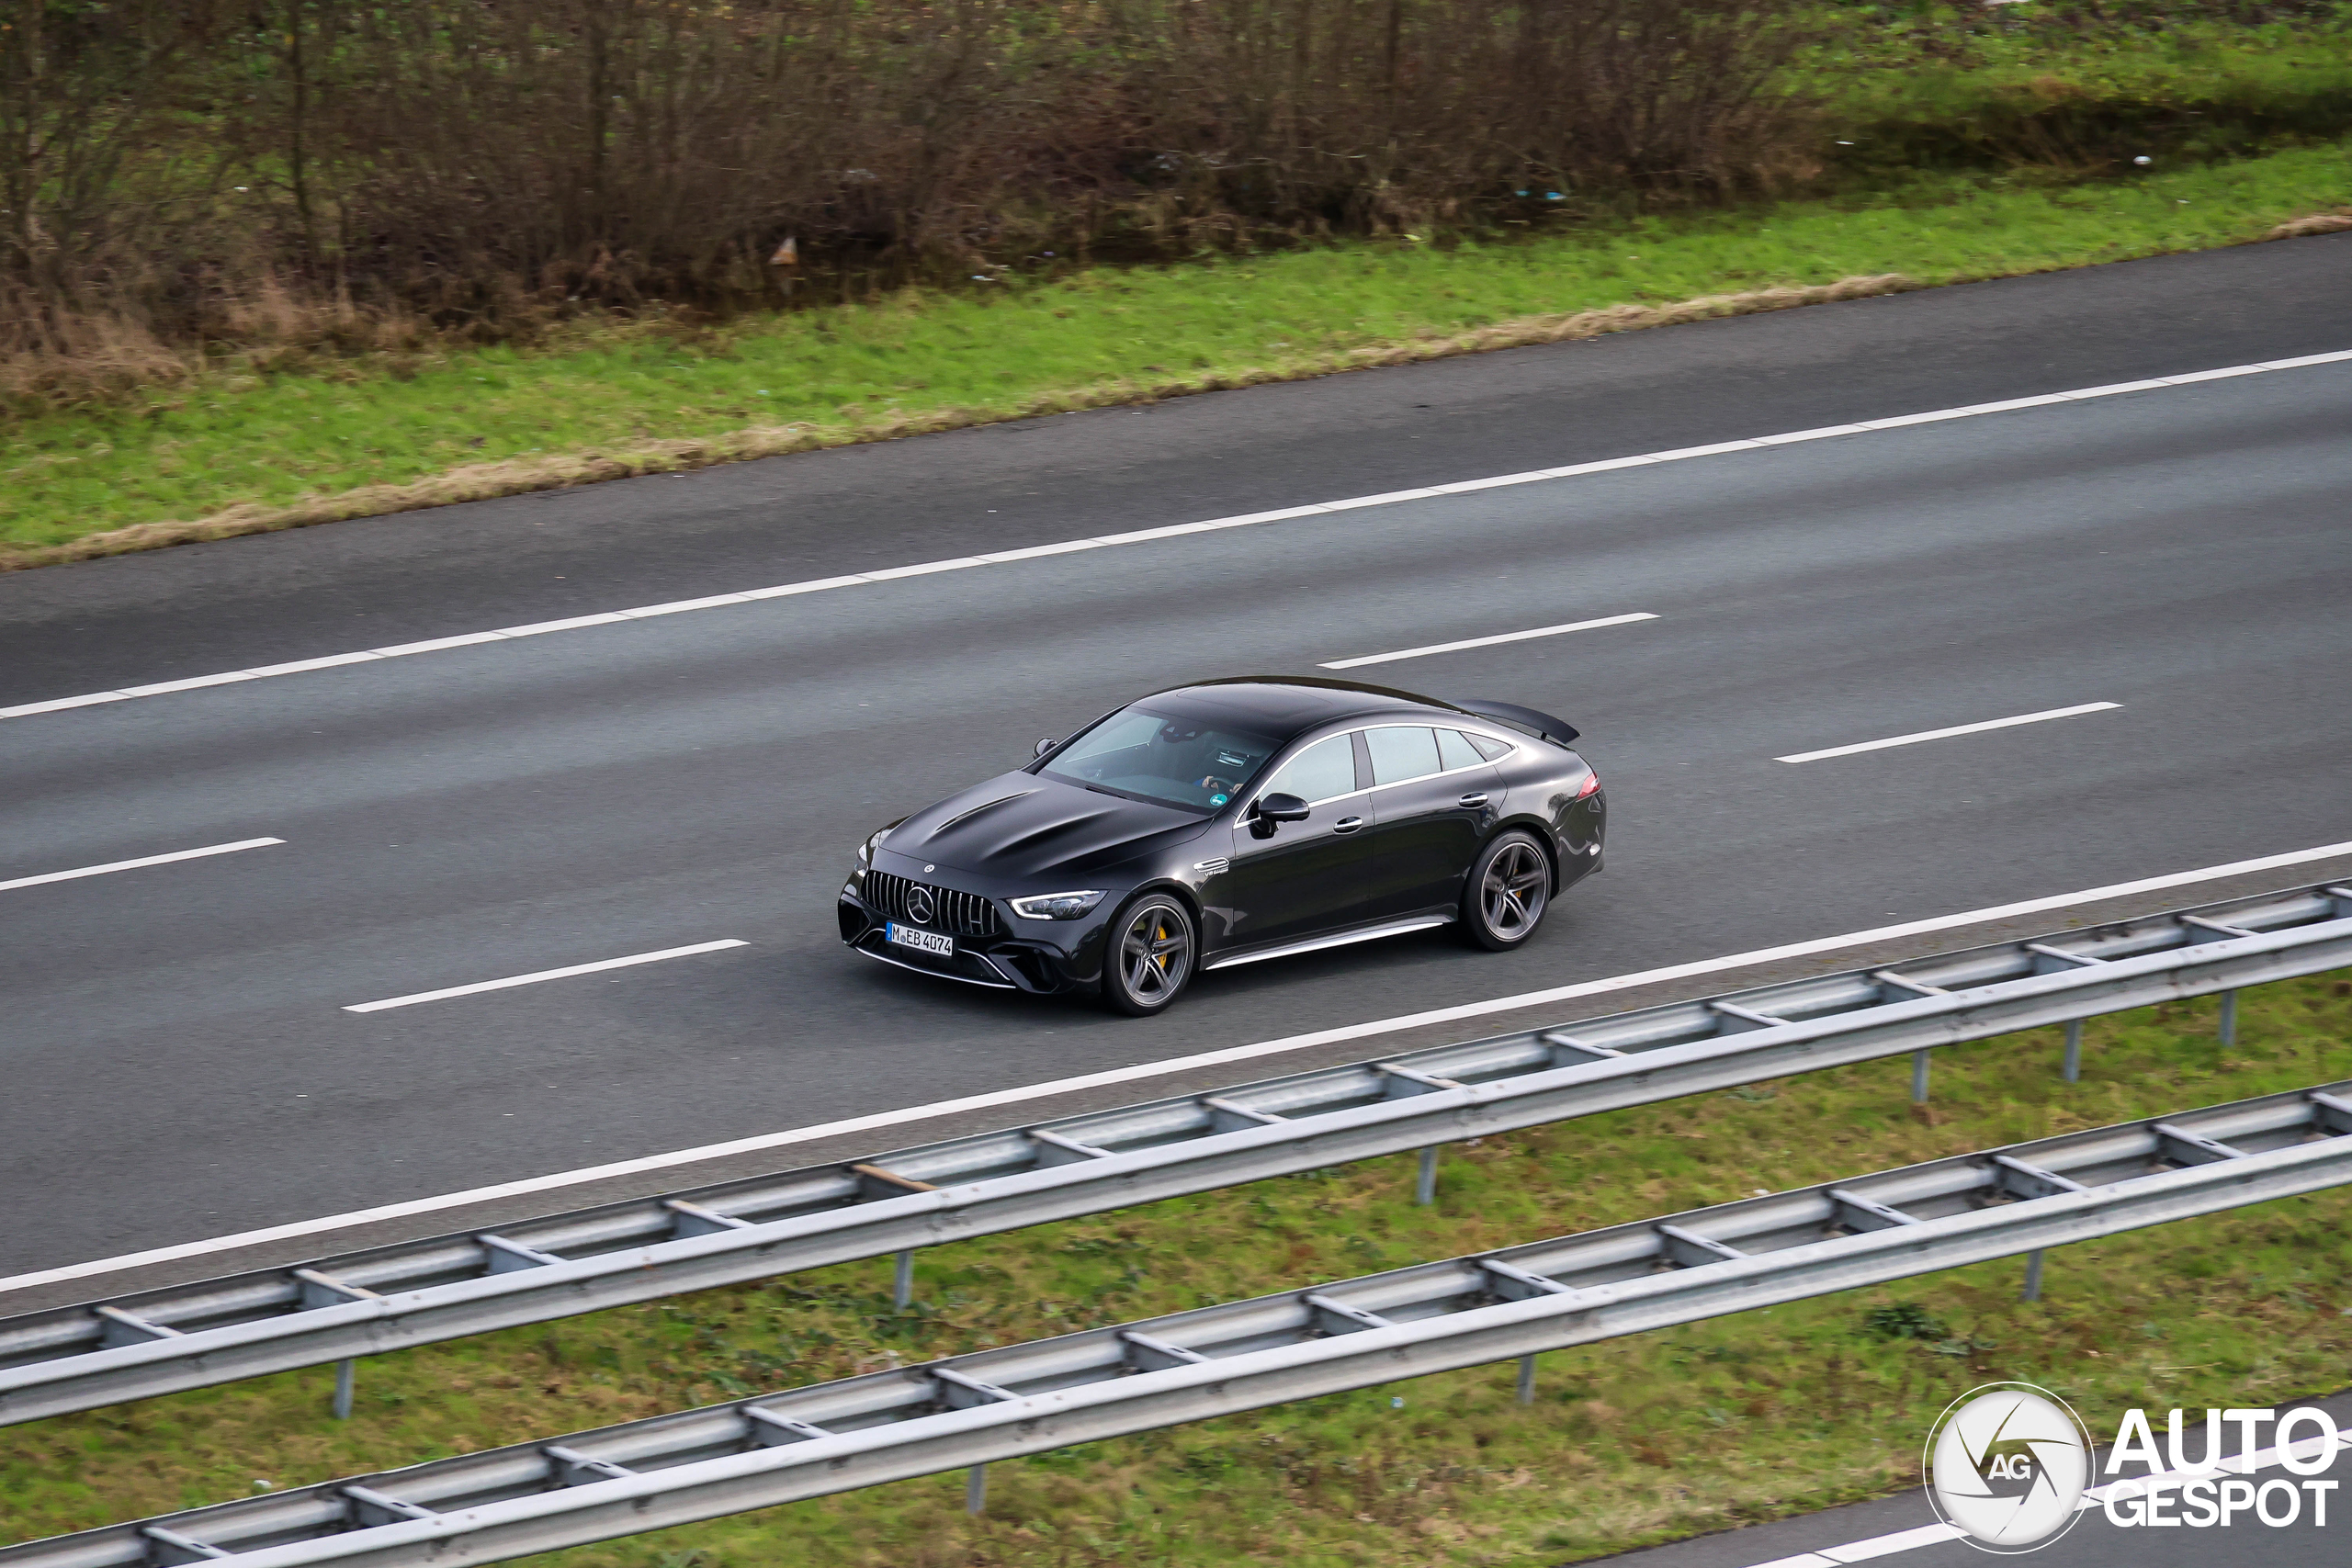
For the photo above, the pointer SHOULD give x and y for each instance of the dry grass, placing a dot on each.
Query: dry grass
(483, 481)
(2317, 223)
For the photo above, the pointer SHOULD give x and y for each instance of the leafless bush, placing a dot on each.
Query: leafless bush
(191, 176)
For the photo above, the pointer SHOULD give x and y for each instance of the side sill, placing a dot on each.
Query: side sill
(1316, 945)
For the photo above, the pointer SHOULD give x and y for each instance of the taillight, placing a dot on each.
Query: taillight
(1591, 785)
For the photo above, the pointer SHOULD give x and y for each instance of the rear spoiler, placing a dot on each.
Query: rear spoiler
(1543, 726)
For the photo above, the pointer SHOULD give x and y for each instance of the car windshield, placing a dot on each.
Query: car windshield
(1193, 762)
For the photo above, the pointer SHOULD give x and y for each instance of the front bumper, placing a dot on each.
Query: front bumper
(1040, 957)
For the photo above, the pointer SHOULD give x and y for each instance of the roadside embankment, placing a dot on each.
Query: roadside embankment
(246, 454)
(1650, 1438)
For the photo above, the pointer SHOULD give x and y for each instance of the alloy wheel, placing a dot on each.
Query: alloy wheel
(1511, 894)
(1154, 954)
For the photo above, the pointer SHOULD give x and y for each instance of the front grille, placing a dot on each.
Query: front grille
(965, 914)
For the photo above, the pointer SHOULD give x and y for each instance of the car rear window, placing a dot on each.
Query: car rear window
(1401, 752)
(1454, 751)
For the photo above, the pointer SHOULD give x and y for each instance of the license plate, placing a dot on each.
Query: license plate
(922, 941)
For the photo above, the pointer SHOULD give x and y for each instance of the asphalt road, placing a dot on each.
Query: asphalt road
(177, 1057)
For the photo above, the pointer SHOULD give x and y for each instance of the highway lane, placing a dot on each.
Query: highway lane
(195, 610)
(179, 1064)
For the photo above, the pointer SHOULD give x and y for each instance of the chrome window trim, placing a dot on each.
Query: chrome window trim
(1243, 815)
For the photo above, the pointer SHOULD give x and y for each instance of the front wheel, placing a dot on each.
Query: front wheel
(1508, 888)
(1149, 960)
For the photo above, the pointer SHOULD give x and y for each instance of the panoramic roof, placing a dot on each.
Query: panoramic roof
(1284, 703)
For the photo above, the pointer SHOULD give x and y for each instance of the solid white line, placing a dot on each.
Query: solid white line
(563, 974)
(1888, 1545)
(135, 864)
(1487, 641)
(1945, 734)
(1156, 1070)
(1177, 530)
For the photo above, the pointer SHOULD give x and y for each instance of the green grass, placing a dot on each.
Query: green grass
(1649, 1438)
(1961, 84)
(1016, 345)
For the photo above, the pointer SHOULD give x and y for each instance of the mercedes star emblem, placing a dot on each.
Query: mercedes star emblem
(918, 905)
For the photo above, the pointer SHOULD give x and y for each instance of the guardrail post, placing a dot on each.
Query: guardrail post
(1527, 1380)
(2032, 1292)
(1425, 1185)
(976, 1489)
(346, 1375)
(2229, 1018)
(2073, 1050)
(1919, 1077)
(902, 1281)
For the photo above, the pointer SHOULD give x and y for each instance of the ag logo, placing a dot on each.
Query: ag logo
(2007, 1464)
(919, 907)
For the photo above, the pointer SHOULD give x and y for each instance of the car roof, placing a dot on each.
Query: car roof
(1282, 705)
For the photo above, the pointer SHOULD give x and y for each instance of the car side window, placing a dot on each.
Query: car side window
(1489, 746)
(1323, 770)
(1401, 752)
(1453, 751)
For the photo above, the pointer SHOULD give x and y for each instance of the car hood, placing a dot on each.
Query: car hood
(1025, 825)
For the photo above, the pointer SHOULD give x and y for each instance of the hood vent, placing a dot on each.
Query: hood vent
(966, 816)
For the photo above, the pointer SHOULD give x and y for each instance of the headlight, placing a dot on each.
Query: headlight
(1056, 905)
(866, 850)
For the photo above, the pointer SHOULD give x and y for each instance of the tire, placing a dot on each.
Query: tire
(1508, 888)
(1153, 948)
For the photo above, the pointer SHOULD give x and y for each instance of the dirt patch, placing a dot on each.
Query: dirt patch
(2315, 223)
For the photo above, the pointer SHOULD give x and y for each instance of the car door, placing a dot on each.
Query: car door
(1432, 797)
(1289, 881)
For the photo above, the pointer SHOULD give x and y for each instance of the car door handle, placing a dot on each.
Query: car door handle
(1473, 799)
(1347, 824)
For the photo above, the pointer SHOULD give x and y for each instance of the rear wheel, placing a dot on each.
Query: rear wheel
(1508, 888)
(1149, 960)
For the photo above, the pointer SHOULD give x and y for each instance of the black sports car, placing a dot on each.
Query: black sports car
(1227, 822)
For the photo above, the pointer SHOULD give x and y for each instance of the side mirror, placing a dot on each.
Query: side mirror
(1280, 808)
(1048, 744)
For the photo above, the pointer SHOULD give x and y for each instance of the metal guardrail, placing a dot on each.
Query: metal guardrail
(396, 1297)
(1024, 1399)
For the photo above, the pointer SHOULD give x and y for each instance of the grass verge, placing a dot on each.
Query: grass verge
(243, 454)
(1650, 1438)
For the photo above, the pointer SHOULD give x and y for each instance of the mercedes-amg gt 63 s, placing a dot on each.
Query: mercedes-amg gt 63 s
(1231, 821)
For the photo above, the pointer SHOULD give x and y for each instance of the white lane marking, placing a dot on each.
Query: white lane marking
(1145, 536)
(2095, 1497)
(563, 974)
(1915, 737)
(1489, 641)
(1154, 1069)
(135, 864)
(1888, 1545)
